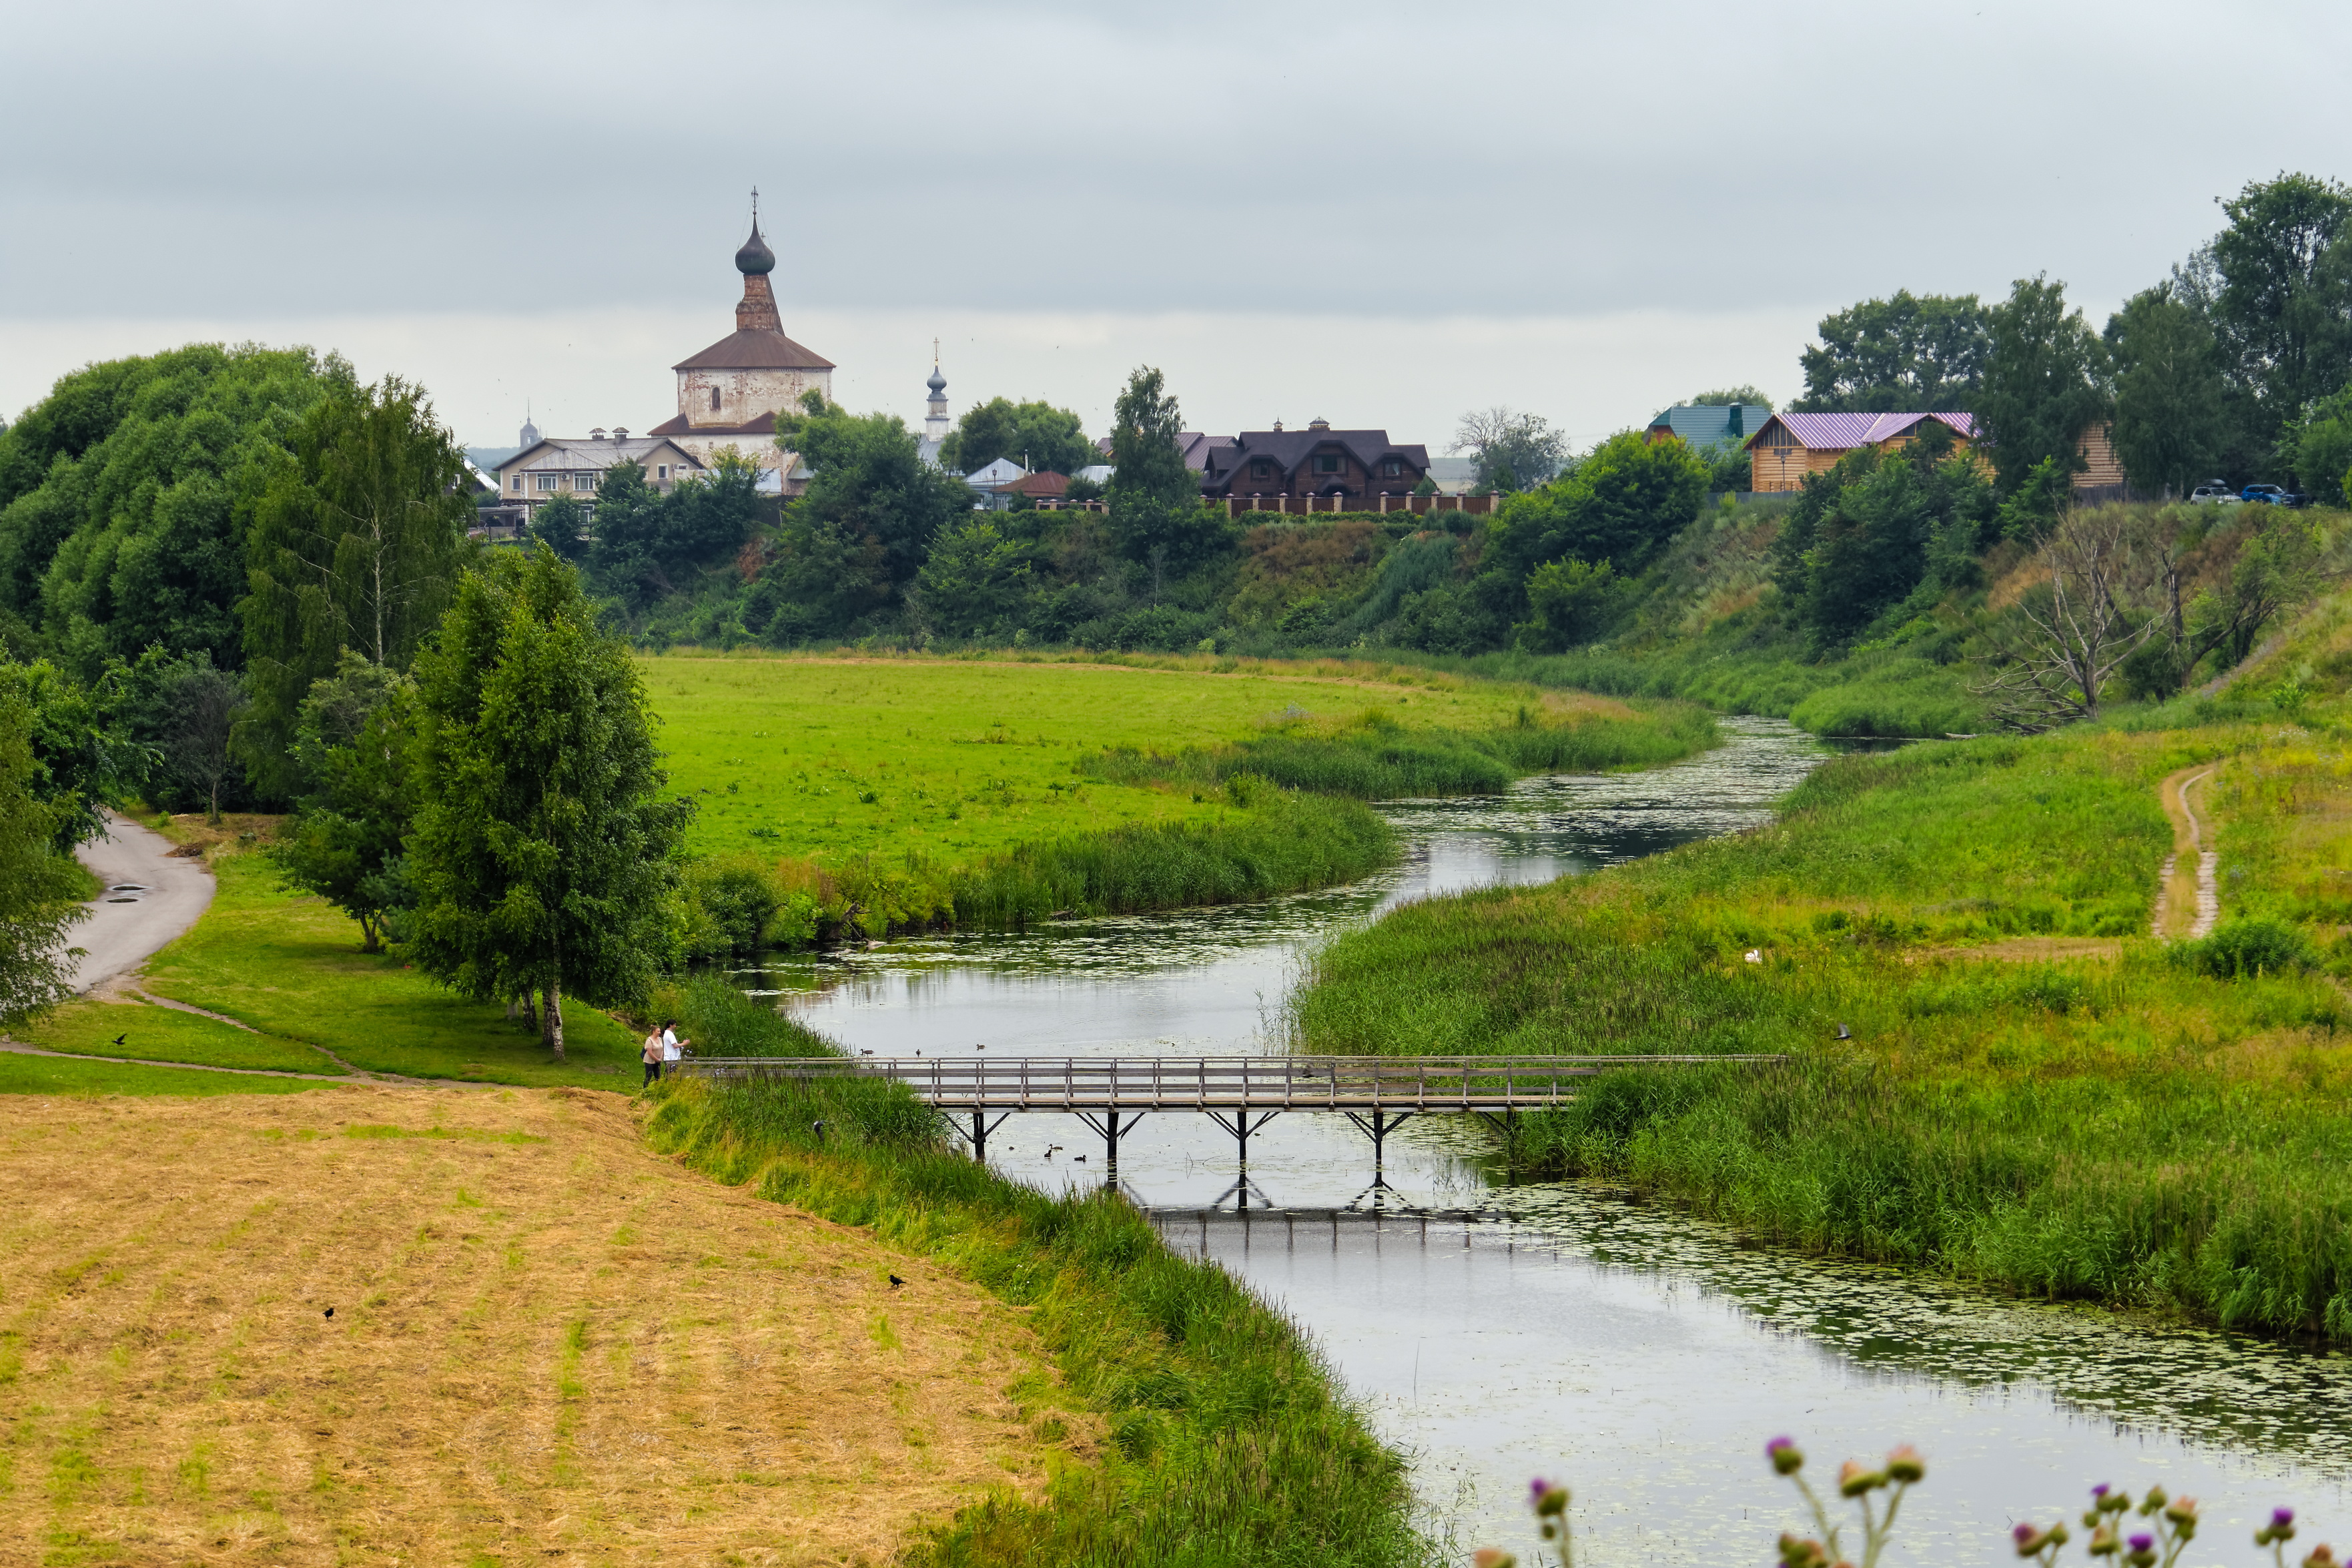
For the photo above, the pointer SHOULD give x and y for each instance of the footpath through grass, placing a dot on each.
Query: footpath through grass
(2035, 1093)
(1228, 1441)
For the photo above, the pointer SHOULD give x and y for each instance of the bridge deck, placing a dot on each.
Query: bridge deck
(1206, 1083)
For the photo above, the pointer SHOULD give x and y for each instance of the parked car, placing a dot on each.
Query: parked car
(2214, 494)
(2269, 495)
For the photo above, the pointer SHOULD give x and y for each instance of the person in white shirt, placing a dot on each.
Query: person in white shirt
(672, 1046)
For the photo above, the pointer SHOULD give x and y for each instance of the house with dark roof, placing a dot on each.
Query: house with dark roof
(1711, 429)
(1320, 461)
(1791, 446)
(558, 466)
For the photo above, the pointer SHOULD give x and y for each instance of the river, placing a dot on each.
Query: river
(1494, 1331)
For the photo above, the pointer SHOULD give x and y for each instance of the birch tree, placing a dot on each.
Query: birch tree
(542, 854)
(356, 544)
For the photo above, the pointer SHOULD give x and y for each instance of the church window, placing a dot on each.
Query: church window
(714, 399)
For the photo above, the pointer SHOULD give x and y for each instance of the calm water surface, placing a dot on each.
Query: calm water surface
(1644, 1356)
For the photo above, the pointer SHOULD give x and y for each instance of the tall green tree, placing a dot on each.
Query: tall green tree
(2171, 414)
(39, 889)
(1726, 396)
(1622, 504)
(1153, 499)
(857, 537)
(543, 855)
(2045, 382)
(349, 835)
(1913, 354)
(2323, 449)
(2283, 304)
(356, 544)
(127, 495)
(1036, 435)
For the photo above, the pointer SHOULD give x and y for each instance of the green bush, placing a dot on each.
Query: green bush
(2244, 948)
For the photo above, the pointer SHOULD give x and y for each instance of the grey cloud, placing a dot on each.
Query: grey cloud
(1385, 158)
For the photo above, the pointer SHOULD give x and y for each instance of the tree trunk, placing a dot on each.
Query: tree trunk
(551, 1021)
(369, 941)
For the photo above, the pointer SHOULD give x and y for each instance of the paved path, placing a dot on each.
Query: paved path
(151, 898)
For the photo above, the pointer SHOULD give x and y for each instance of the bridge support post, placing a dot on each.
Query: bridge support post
(1380, 1124)
(978, 1136)
(1241, 1124)
(1106, 1124)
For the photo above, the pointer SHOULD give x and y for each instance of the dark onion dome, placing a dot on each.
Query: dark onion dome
(937, 384)
(755, 257)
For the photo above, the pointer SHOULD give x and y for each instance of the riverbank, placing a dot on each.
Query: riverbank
(2032, 1094)
(1228, 1440)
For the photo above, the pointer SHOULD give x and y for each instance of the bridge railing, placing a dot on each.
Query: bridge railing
(1289, 1082)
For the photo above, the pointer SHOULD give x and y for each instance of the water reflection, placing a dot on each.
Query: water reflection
(1640, 1354)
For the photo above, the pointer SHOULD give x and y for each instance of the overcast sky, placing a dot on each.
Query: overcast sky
(1379, 215)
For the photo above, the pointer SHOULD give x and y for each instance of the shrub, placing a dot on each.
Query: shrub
(2246, 948)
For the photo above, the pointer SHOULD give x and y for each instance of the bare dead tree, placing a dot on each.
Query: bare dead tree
(2051, 663)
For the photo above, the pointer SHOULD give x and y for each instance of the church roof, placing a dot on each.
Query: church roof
(755, 348)
(676, 425)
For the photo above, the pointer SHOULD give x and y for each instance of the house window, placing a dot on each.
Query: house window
(1392, 468)
(518, 481)
(584, 481)
(1326, 463)
(714, 400)
(547, 481)
(661, 471)
(1261, 469)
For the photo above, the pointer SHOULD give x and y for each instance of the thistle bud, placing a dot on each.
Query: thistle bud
(1786, 1457)
(2104, 1543)
(2114, 1500)
(1800, 1554)
(1549, 1499)
(1853, 1481)
(2156, 1500)
(2280, 1528)
(2321, 1557)
(1905, 1465)
(2030, 1539)
(1494, 1557)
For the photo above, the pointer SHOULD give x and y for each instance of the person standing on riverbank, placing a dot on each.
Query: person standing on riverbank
(652, 1056)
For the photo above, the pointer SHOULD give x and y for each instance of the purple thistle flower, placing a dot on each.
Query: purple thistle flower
(1536, 1490)
(2023, 1533)
(2281, 1518)
(2101, 1490)
(2143, 1542)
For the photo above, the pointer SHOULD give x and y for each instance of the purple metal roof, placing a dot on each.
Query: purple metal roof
(1842, 432)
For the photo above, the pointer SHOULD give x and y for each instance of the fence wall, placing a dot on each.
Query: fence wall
(1303, 506)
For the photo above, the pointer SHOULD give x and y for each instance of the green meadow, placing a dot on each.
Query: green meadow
(957, 760)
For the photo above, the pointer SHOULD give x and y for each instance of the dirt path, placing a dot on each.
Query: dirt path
(2189, 896)
(547, 1344)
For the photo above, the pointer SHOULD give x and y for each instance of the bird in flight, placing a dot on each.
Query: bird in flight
(119, 1038)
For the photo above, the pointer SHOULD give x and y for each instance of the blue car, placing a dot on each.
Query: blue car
(2272, 495)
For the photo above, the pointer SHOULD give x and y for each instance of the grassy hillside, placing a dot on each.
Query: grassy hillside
(2036, 1093)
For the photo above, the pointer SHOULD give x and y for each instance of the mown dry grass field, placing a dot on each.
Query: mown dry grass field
(547, 1344)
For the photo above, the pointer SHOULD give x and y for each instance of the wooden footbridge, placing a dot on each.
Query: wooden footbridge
(1241, 1094)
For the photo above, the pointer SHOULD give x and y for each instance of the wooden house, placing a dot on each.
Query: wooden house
(1791, 446)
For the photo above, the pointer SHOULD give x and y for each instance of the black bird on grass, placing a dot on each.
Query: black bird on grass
(818, 1128)
(896, 1281)
(330, 1311)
